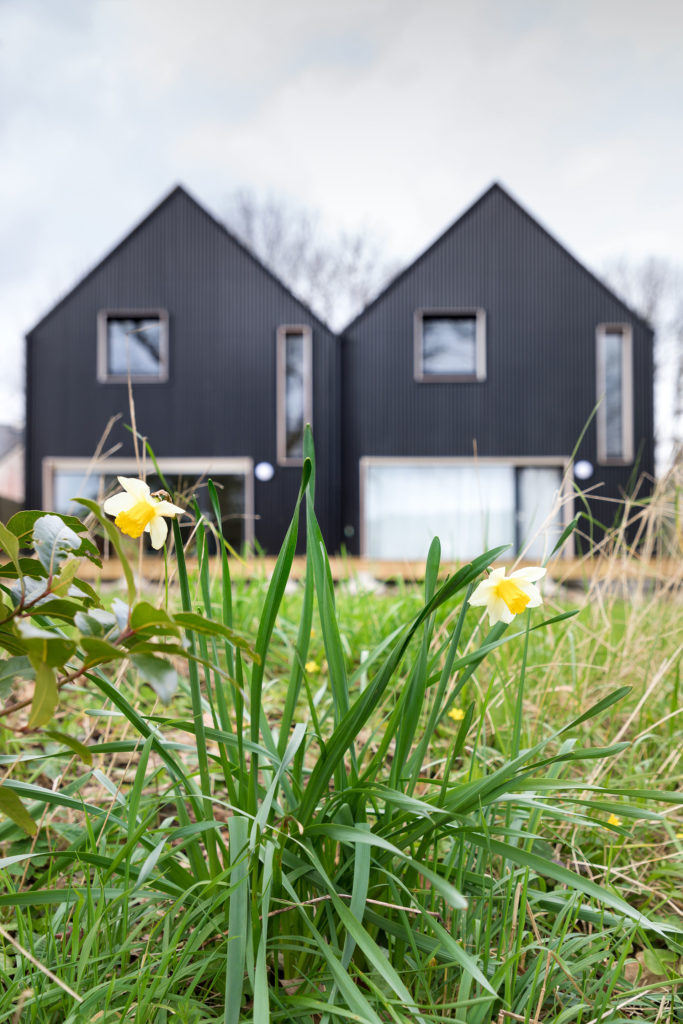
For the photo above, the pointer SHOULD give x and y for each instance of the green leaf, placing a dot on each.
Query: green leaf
(197, 623)
(22, 523)
(566, 533)
(96, 622)
(45, 696)
(160, 675)
(12, 807)
(98, 650)
(44, 647)
(54, 541)
(62, 585)
(18, 667)
(145, 614)
(660, 961)
(10, 544)
(78, 748)
(27, 567)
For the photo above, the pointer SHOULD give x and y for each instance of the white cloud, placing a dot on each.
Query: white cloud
(389, 112)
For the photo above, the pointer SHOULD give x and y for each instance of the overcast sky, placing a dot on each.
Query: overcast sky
(388, 113)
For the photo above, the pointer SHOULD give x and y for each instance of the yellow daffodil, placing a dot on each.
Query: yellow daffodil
(457, 714)
(613, 820)
(507, 596)
(138, 511)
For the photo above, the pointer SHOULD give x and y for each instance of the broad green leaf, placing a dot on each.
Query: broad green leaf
(98, 650)
(27, 567)
(96, 622)
(44, 647)
(18, 667)
(9, 544)
(54, 541)
(145, 614)
(160, 675)
(28, 590)
(45, 696)
(22, 523)
(67, 573)
(78, 748)
(12, 807)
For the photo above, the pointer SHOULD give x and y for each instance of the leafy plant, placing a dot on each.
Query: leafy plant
(332, 862)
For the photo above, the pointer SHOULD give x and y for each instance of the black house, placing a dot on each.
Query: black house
(467, 385)
(451, 405)
(226, 367)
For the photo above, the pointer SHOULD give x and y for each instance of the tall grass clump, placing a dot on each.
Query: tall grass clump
(392, 839)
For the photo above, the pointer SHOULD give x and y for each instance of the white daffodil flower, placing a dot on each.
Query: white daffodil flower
(137, 511)
(507, 596)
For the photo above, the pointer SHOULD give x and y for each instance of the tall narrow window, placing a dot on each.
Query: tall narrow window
(132, 342)
(294, 392)
(615, 393)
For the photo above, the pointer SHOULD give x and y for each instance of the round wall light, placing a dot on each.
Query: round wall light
(583, 469)
(264, 472)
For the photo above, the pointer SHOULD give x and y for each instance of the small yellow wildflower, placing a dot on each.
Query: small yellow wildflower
(457, 714)
(137, 511)
(679, 835)
(613, 820)
(507, 596)
(311, 667)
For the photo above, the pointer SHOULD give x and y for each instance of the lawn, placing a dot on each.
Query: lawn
(254, 799)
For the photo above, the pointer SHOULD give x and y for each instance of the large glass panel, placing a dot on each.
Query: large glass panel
(231, 499)
(68, 484)
(134, 344)
(470, 509)
(539, 515)
(295, 385)
(449, 345)
(614, 391)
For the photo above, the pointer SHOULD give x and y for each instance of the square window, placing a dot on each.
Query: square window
(450, 345)
(132, 342)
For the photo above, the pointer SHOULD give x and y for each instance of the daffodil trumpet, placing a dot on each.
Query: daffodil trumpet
(137, 511)
(506, 596)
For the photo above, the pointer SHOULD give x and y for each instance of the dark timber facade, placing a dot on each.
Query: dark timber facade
(452, 405)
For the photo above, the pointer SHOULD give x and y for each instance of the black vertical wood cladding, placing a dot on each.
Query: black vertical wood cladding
(542, 309)
(224, 309)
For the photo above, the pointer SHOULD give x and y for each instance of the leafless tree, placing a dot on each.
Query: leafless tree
(653, 287)
(335, 273)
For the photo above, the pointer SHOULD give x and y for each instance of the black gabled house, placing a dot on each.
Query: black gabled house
(451, 405)
(226, 366)
(468, 383)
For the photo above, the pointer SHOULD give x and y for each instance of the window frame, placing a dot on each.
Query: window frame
(103, 318)
(626, 331)
(200, 467)
(283, 459)
(479, 316)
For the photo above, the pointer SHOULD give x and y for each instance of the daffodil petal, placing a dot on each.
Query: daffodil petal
(499, 611)
(120, 502)
(533, 594)
(482, 594)
(530, 575)
(165, 508)
(138, 488)
(158, 528)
